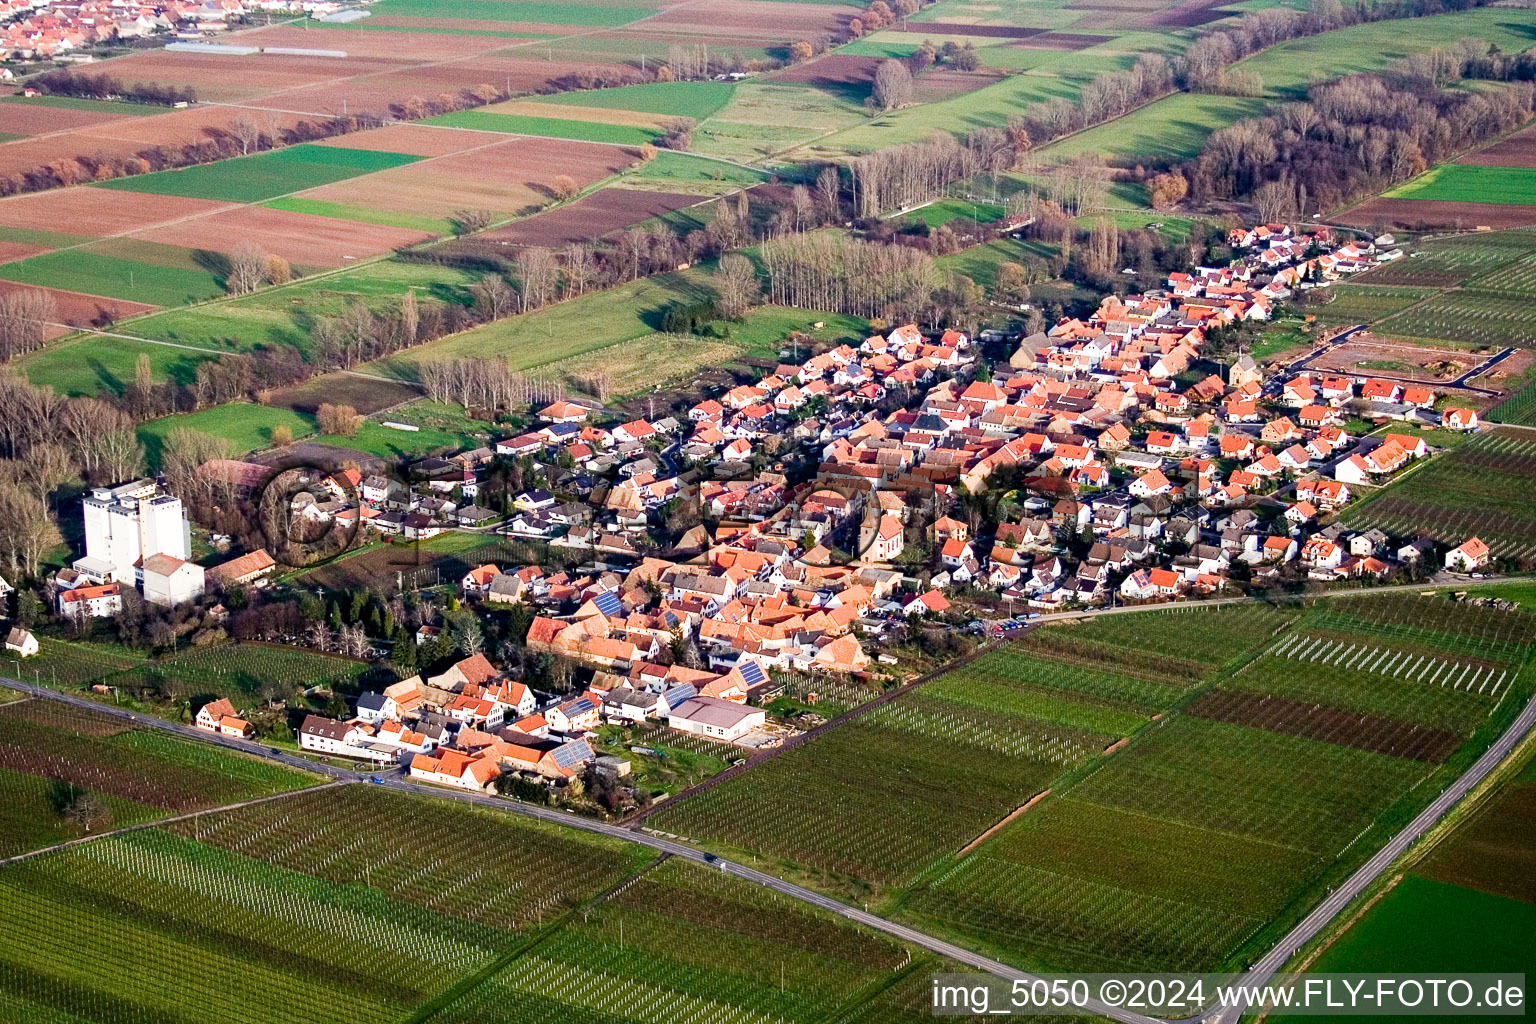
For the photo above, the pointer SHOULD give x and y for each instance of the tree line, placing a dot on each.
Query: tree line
(1358, 136)
(1205, 63)
(103, 86)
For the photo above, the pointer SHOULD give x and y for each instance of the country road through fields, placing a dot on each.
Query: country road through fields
(1262, 970)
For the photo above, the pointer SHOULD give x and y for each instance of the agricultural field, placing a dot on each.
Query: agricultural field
(1471, 183)
(1170, 129)
(1453, 260)
(593, 322)
(684, 943)
(1519, 407)
(253, 179)
(697, 100)
(551, 127)
(980, 262)
(591, 217)
(1367, 303)
(244, 426)
(881, 799)
(66, 772)
(764, 118)
(264, 913)
(137, 282)
(1481, 489)
(244, 673)
(1466, 905)
(1263, 782)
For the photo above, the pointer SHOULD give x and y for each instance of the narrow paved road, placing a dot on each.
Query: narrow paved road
(1262, 970)
(1338, 899)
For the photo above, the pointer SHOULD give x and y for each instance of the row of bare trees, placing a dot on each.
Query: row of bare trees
(25, 316)
(106, 87)
(845, 275)
(901, 176)
(485, 384)
(1357, 136)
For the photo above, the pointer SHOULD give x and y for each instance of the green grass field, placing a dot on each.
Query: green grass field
(1431, 928)
(945, 210)
(669, 165)
(596, 321)
(1172, 128)
(697, 100)
(341, 211)
(1288, 67)
(246, 427)
(252, 179)
(81, 270)
(1472, 183)
(552, 127)
(595, 15)
(74, 103)
(980, 262)
(284, 316)
(443, 428)
(90, 365)
(49, 239)
(988, 107)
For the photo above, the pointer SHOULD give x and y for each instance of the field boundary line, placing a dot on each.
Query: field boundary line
(1012, 815)
(161, 822)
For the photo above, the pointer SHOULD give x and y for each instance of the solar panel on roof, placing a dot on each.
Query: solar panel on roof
(678, 694)
(752, 672)
(568, 755)
(609, 603)
(577, 706)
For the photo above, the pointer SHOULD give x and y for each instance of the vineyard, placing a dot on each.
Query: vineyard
(76, 664)
(1171, 854)
(1518, 408)
(682, 943)
(66, 771)
(348, 905)
(1475, 318)
(886, 795)
(493, 869)
(1364, 303)
(1481, 488)
(241, 672)
(1174, 853)
(1446, 262)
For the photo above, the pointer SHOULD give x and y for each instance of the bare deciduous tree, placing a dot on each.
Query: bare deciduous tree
(737, 285)
(25, 315)
(893, 85)
(338, 419)
(247, 268)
